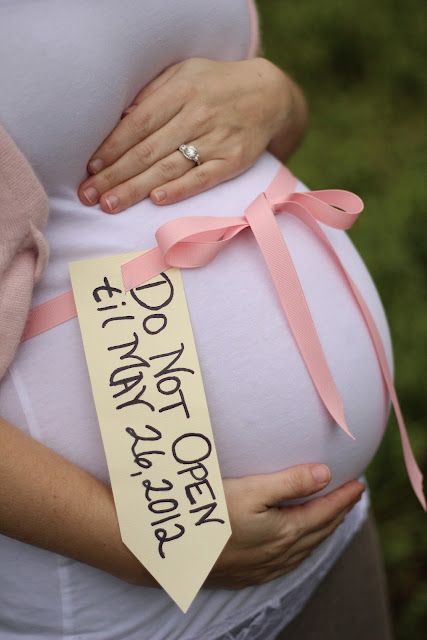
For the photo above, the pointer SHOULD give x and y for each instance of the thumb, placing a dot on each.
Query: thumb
(295, 482)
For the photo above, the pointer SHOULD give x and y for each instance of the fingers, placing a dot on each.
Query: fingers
(306, 542)
(156, 148)
(171, 170)
(189, 100)
(310, 541)
(137, 188)
(170, 179)
(144, 120)
(195, 181)
(268, 541)
(267, 490)
(156, 153)
(320, 512)
(140, 186)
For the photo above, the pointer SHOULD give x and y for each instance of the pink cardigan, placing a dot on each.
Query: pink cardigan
(24, 252)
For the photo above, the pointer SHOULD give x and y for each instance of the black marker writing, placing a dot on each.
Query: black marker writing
(169, 385)
(139, 457)
(130, 375)
(162, 537)
(191, 449)
(164, 289)
(106, 288)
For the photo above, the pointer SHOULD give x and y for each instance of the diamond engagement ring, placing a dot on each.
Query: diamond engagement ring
(190, 152)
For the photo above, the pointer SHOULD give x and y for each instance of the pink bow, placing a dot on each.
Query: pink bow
(195, 241)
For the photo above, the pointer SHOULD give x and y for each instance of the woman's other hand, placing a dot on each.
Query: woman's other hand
(51, 503)
(231, 111)
(269, 541)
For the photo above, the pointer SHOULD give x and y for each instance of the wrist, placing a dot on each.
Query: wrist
(109, 553)
(293, 124)
(279, 94)
(291, 115)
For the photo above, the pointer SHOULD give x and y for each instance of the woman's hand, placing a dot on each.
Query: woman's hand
(44, 496)
(269, 541)
(232, 111)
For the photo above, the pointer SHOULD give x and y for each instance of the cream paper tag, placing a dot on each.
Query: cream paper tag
(154, 421)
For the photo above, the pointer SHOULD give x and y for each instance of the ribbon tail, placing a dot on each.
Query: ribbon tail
(414, 473)
(279, 263)
(49, 314)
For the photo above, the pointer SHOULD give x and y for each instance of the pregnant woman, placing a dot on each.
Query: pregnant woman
(71, 70)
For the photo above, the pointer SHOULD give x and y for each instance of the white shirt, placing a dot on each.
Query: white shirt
(69, 70)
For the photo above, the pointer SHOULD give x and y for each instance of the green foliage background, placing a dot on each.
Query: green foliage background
(362, 65)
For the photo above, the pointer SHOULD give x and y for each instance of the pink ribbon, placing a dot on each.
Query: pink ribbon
(195, 241)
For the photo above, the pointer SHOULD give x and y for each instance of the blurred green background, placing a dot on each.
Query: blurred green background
(362, 66)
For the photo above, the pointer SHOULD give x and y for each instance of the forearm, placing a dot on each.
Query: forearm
(51, 503)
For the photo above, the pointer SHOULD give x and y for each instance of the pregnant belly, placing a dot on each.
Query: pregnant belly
(266, 414)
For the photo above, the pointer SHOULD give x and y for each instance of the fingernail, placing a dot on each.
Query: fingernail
(91, 195)
(160, 195)
(96, 165)
(112, 202)
(321, 473)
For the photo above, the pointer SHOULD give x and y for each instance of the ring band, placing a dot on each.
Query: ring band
(190, 152)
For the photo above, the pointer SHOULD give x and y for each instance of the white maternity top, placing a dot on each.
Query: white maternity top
(67, 71)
